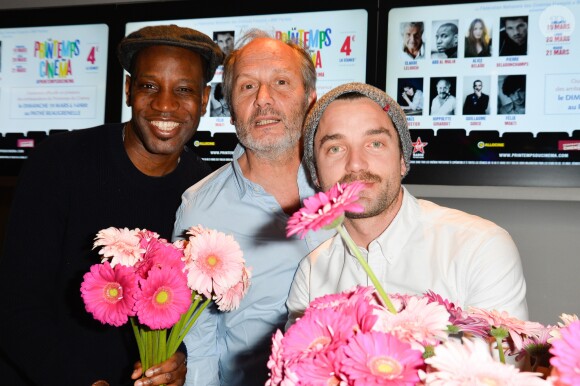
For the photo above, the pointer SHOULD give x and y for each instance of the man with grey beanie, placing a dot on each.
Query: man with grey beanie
(356, 132)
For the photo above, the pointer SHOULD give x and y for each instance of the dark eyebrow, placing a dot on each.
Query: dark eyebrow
(329, 137)
(377, 131)
(380, 130)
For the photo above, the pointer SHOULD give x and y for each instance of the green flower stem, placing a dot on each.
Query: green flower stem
(500, 333)
(191, 321)
(162, 337)
(138, 337)
(154, 345)
(174, 341)
(146, 348)
(499, 344)
(355, 251)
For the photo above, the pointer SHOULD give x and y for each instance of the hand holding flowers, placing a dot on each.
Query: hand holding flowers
(160, 285)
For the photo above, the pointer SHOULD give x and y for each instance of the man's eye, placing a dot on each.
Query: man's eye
(376, 144)
(282, 82)
(333, 149)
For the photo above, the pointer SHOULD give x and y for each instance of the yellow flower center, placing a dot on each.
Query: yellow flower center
(212, 260)
(162, 296)
(385, 366)
(113, 292)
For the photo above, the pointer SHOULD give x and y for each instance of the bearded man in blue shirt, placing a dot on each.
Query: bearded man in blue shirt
(269, 87)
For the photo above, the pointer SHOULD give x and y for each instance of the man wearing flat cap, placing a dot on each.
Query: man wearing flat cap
(356, 132)
(75, 184)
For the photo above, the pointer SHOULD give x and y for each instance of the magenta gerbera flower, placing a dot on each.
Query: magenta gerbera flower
(378, 358)
(159, 253)
(109, 294)
(275, 361)
(164, 297)
(122, 245)
(459, 318)
(213, 257)
(317, 332)
(323, 208)
(566, 354)
(321, 369)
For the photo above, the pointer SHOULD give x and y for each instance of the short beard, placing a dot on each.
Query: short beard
(383, 201)
(272, 149)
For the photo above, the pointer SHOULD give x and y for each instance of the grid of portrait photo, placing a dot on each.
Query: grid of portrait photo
(443, 43)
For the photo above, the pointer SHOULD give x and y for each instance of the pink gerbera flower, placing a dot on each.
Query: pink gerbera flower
(421, 323)
(213, 257)
(459, 319)
(147, 235)
(566, 354)
(566, 320)
(323, 208)
(317, 332)
(517, 328)
(536, 347)
(197, 230)
(471, 363)
(275, 362)
(159, 253)
(109, 294)
(333, 301)
(378, 358)
(321, 369)
(165, 296)
(229, 299)
(123, 245)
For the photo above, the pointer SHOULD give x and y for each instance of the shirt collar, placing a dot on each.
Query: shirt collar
(242, 183)
(305, 189)
(392, 240)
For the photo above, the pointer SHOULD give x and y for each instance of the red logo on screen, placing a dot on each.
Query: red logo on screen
(569, 145)
(419, 146)
(25, 143)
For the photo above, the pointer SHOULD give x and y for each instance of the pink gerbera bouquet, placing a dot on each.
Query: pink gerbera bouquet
(365, 336)
(162, 287)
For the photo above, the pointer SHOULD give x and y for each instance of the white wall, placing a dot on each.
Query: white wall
(544, 222)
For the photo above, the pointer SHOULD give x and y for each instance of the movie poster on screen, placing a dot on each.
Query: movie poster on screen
(53, 77)
(335, 40)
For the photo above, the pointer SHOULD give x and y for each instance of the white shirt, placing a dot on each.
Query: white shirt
(464, 258)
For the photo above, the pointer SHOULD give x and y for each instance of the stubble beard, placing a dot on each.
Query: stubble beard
(273, 148)
(386, 197)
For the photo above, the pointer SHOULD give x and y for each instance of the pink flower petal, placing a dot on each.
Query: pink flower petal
(322, 209)
(110, 293)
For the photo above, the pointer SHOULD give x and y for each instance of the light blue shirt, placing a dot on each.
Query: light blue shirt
(238, 343)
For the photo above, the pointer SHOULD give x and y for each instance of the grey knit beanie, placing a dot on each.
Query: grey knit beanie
(171, 35)
(386, 103)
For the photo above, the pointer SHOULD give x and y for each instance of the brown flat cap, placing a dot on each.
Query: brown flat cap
(171, 35)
